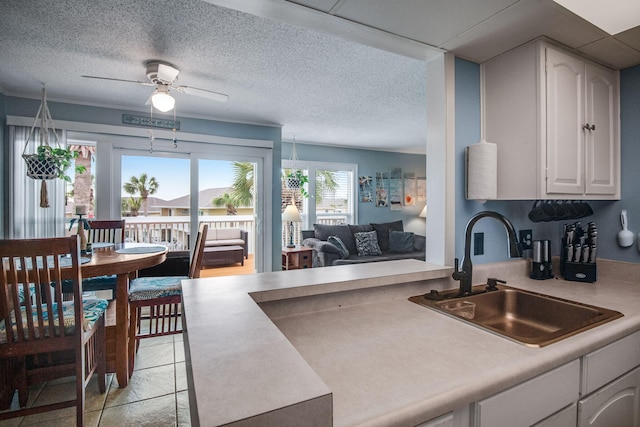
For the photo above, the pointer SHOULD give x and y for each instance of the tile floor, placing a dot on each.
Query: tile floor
(156, 395)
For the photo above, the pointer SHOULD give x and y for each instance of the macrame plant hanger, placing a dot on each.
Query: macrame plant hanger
(38, 168)
(292, 181)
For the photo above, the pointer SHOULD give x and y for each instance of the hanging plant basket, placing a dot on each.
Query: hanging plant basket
(293, 183)
(40, 169)
(48, 162)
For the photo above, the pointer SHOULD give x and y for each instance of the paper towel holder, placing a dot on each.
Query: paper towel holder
(482, 159)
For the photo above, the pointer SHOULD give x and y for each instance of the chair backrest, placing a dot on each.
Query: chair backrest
(106, 231)
(198, 252)
(37, 324)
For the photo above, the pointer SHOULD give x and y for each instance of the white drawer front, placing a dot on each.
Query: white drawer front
(533, 400)
(608, 363)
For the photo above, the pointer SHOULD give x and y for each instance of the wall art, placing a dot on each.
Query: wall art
(382, 194)
(366, 189)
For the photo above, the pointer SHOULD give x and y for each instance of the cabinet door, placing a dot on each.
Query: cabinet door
(601, 143)
(617, 404)
(565, 118)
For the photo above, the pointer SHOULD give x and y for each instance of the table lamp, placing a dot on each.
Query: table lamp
(291, 214)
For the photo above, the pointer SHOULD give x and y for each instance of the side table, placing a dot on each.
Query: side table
(296, 258)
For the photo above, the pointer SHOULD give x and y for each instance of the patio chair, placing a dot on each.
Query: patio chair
(101, 231)
(46, 338)
(162, 297)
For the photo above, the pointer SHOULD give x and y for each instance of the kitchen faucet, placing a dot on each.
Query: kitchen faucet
(465, 276)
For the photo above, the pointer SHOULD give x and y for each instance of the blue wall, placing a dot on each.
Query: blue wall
(606, 214)
(369, 162)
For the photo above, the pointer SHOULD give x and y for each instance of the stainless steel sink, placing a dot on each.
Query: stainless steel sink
(530, 318)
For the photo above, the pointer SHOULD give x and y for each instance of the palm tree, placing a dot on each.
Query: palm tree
(228, 201)
(325, 181)
(133, 204)
(142, 185)
(241, 191)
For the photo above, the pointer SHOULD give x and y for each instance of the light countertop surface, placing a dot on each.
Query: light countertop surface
(344, 345)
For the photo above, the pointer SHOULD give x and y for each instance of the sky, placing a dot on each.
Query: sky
(172, 175)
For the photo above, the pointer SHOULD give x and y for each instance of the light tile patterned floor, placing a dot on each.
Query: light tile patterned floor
(156, 395)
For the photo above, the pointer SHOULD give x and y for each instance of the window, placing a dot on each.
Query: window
(331, 190)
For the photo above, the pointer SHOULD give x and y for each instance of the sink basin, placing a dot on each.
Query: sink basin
(530, 318)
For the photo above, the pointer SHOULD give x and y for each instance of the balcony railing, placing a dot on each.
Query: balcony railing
(174, 231)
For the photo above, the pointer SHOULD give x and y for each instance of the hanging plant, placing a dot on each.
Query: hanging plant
(295, 180)
(48, 162)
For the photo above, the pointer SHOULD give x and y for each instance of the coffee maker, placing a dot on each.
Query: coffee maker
(541, 268)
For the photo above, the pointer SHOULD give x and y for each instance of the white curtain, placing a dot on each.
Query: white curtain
(26, 218)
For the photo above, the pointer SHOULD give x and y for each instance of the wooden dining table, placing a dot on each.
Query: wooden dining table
(123, 260)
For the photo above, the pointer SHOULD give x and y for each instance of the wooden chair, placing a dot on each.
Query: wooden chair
(102, 231)
(106, 231)
(162, 296)
(45, 338)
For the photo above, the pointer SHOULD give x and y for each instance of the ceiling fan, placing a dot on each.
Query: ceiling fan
(164, 76)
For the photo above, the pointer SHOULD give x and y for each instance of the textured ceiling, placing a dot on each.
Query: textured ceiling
(319, 87)
(322, 69)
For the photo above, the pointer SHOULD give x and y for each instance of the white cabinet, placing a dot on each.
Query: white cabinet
(617, 404)
(531, 401)
(554, 117)
(609, 362)
(611, 385)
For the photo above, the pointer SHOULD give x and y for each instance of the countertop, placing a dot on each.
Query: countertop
(343, 345)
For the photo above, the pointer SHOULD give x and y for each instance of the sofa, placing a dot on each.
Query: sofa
(354, 244)
(220, 238)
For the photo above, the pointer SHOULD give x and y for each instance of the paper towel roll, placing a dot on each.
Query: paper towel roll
(482, 171)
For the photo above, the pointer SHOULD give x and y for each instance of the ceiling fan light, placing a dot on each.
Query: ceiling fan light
(162, 101)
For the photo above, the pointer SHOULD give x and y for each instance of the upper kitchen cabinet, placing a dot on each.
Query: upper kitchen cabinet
(555, 119)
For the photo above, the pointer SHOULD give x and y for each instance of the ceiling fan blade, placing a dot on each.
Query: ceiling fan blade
(167, 73)
(120, 80)
(220, 97)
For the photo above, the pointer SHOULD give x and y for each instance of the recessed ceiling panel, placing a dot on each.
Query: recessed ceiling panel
(630, 38)
(519, 24)
(432, 22)
(612, 52)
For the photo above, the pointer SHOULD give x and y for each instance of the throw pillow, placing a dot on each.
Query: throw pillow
(337, 242)
(383, 232)
(323, 231)
(367, 243)
(400, 241)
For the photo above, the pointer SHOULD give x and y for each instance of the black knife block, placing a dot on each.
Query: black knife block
(577, 271)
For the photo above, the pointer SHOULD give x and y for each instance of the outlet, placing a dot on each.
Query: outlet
(478, 243)
(526, 239)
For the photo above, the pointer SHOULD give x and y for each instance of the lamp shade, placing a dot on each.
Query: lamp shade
(291, 214)
(423, 212)
(161, 99)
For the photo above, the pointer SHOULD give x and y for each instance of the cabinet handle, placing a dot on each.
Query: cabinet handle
(589, 128)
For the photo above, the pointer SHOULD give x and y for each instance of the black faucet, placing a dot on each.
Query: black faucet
(465, 276)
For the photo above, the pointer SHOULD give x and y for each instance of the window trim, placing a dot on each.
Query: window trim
(312, 166)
